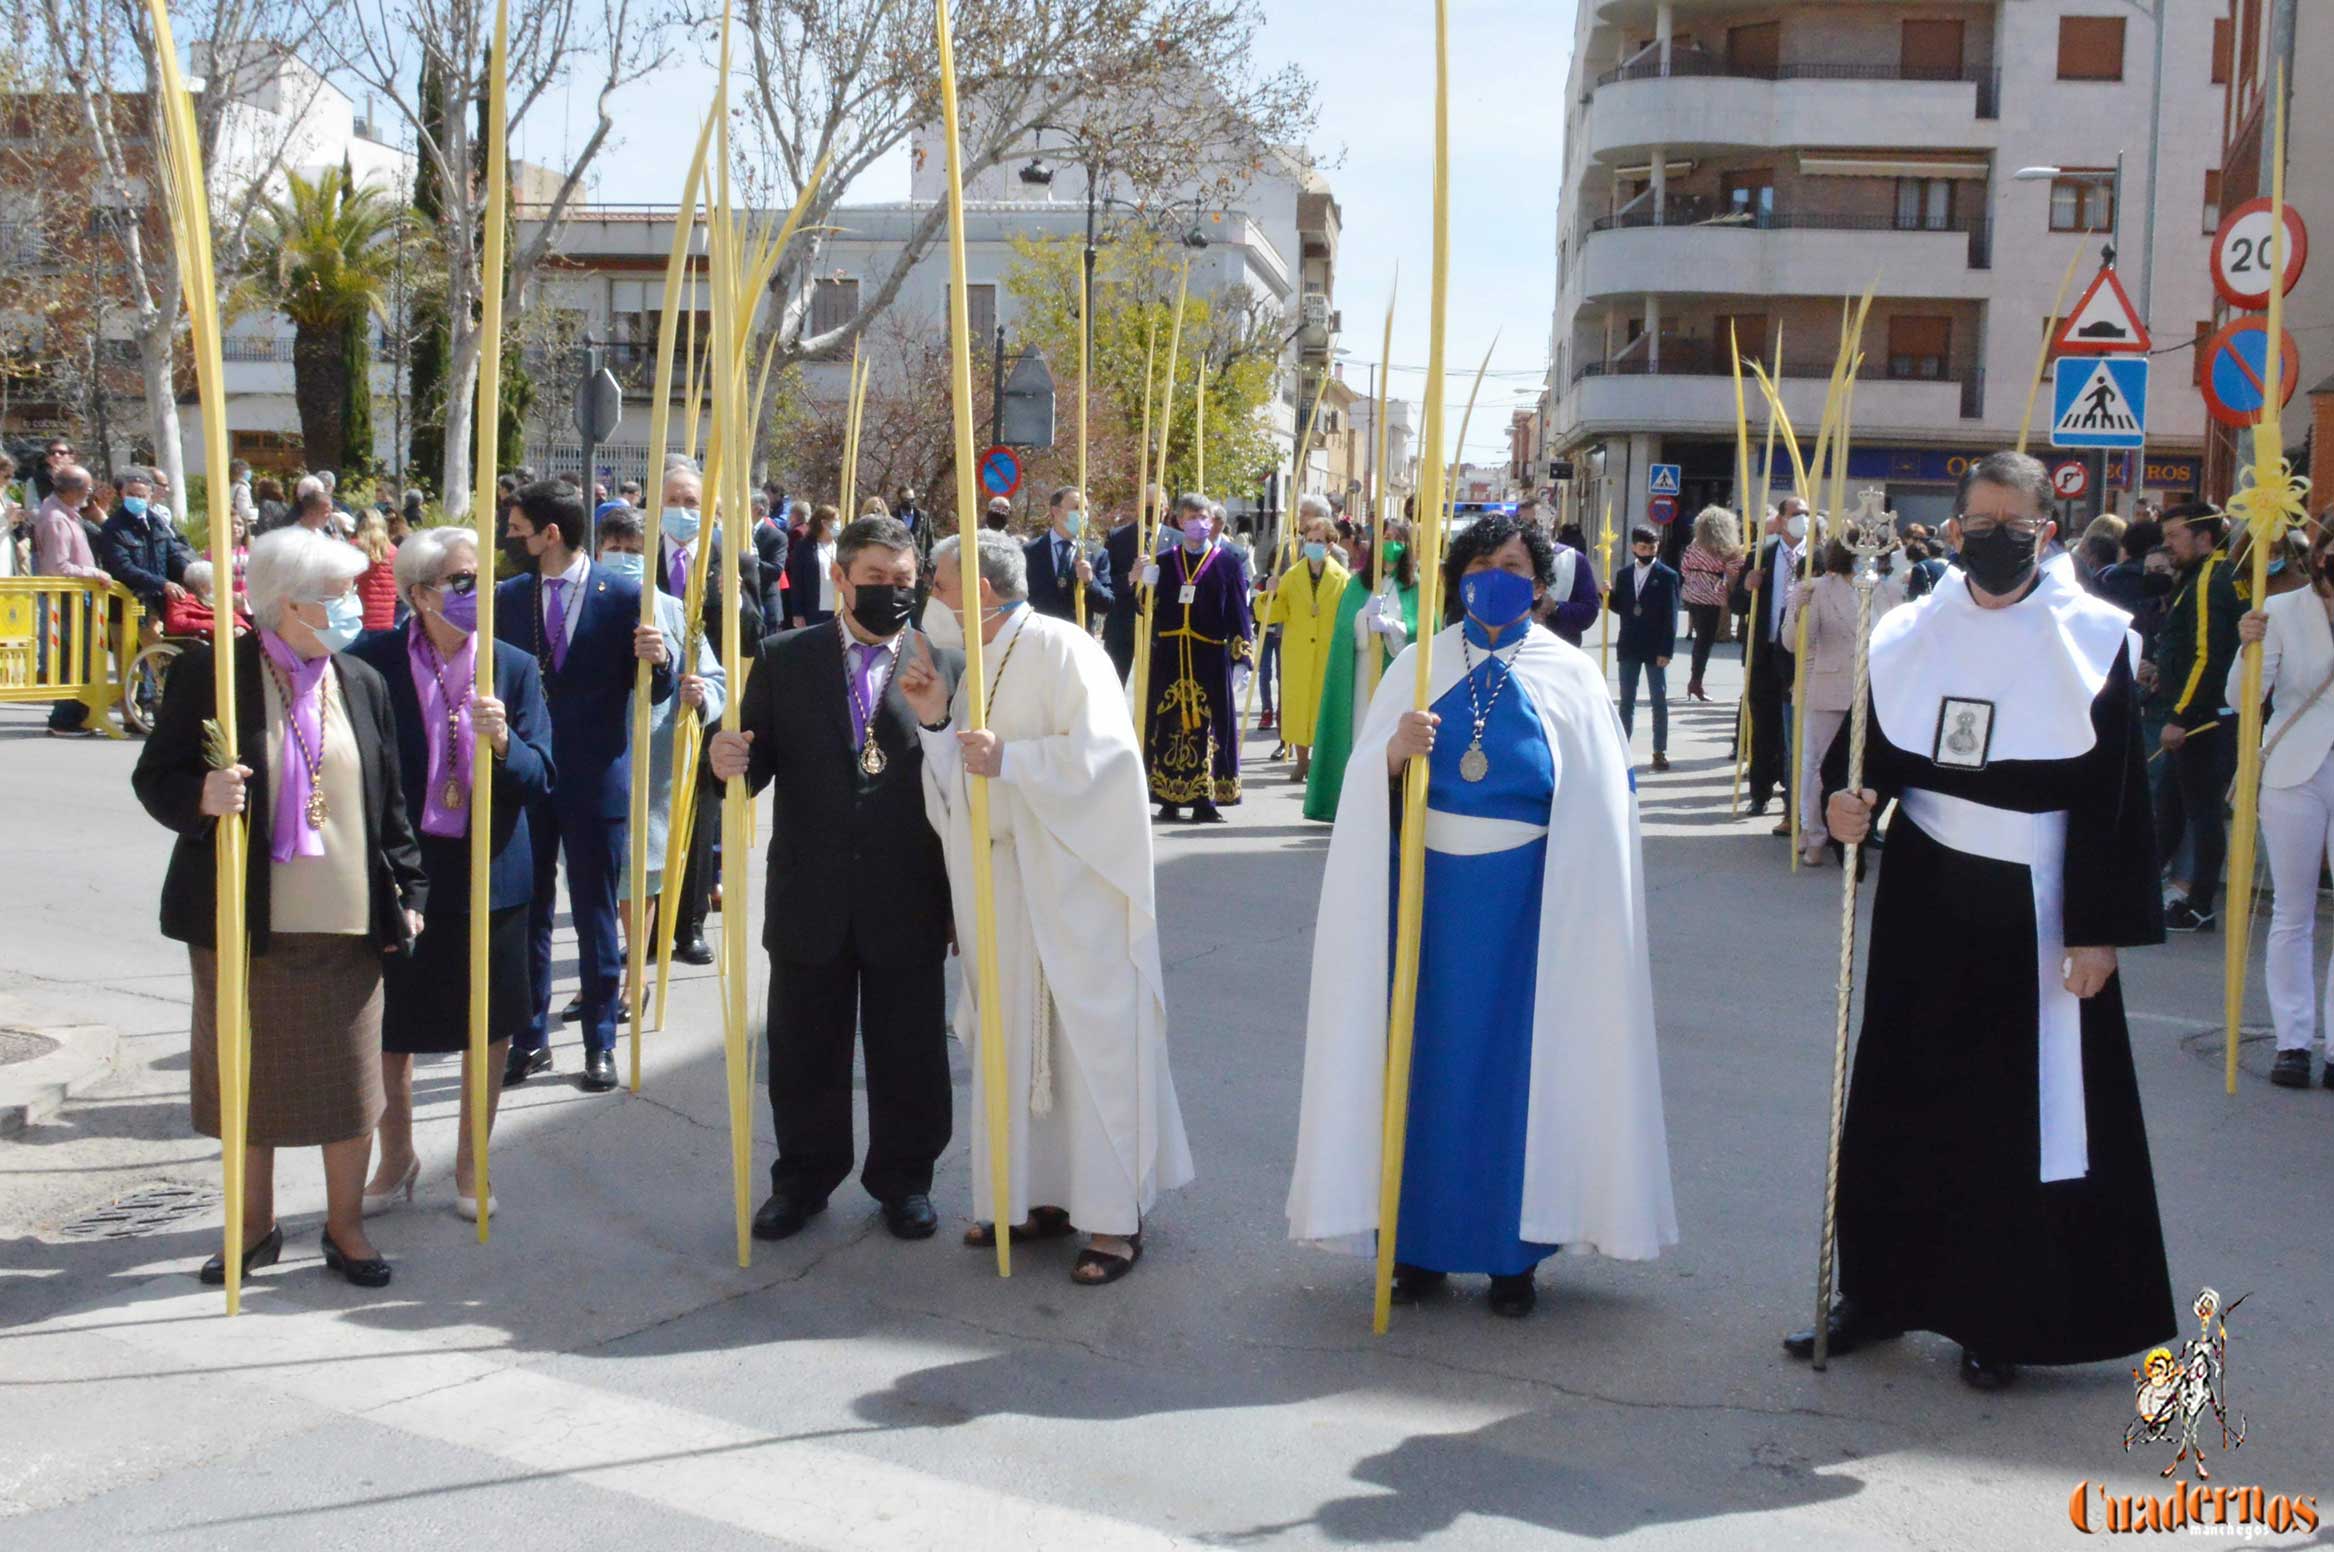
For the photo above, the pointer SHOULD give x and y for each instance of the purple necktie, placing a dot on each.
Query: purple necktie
(863, 661)
(680, 572)
(556, 621)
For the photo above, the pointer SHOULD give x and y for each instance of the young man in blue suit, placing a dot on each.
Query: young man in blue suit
(1059, 564)
(1645, 596)
(582, 626)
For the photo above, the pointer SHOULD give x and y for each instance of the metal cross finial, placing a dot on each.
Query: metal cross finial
(1869, 533)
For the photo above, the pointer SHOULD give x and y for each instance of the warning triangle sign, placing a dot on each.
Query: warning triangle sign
(2103, 322)
(2100, 407)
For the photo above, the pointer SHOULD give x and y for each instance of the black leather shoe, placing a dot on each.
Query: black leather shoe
(521, 1065)
(1514, 1297)
(1986, 1373)
(266, 1253)
(2291, 1070)
(911, 1216)
(1169, 813)
(371, 1272)
(1414, 1283)
(696, 951)
(573, 1010)
(783, 1216)
(599, 1074)
(1206, 813)
(1850, 1329)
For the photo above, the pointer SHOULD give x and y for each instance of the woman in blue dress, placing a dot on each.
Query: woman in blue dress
(1534, 1102)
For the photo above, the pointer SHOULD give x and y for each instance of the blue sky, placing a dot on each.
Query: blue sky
(1372, 62)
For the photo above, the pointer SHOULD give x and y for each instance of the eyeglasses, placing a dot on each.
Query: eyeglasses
(460, 583)
(1977, 525)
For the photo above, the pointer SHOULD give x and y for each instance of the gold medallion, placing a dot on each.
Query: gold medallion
(315, 808)
(871, 757)
(454, 795)
(1474, 765)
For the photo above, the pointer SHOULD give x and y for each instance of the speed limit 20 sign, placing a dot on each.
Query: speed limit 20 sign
(2241, 254)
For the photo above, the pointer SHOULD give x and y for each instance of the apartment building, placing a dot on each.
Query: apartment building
(1734, 170)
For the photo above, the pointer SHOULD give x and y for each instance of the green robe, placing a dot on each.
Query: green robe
(1333, 728)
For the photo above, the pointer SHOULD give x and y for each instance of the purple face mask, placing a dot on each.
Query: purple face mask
(1198, 529)
(460, 610)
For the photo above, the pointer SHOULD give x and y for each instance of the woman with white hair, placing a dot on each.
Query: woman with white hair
(443, 724)
(334, 883)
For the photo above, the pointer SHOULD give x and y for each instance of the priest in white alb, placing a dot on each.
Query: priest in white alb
(1535, 1098)
(1096, 1132)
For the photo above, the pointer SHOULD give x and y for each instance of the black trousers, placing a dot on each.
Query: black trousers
(1704, 618)
(2195, 797)
(1770, 688)
(696, 896)
(818, 1015)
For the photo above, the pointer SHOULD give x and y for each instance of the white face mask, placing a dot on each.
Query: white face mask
(1796, 526)
(942, 627)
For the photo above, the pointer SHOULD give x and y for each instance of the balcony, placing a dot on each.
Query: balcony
(1691, 393)
(1706, 101)
(1781, 253)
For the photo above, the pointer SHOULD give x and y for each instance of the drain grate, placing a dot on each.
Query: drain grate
(18, 1046)
(147, 1210)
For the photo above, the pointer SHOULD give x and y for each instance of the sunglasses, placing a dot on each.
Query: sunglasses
(460, 583)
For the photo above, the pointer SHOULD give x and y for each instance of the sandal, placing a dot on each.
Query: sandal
(1044, 1223)
(1109, 1265)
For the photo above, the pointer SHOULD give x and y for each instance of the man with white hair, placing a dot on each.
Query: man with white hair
(1095, 1129)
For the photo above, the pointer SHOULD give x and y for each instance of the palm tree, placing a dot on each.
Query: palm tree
(322, 254)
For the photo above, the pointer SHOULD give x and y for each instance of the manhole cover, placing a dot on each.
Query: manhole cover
(17, 1046)
(143, 1211)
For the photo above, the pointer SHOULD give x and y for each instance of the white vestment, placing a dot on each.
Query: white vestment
(1095, 1125)
(1596, 1157)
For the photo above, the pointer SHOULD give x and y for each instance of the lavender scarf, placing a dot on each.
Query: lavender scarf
(289, 835)
(434, 692)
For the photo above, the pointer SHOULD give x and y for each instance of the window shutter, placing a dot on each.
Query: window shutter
(2222, 42)
(2090, 48)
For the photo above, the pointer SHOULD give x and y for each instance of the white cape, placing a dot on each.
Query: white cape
(1596, 1157)
(1096, 1128)
(2039, 664)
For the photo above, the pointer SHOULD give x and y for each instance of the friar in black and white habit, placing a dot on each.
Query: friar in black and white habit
(1994, 1179)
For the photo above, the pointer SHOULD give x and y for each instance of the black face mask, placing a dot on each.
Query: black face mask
(882, 608)
(1999, 561)
(2156, 584)
(514, 549)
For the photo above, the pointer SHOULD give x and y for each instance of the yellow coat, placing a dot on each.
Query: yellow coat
(1305, 609)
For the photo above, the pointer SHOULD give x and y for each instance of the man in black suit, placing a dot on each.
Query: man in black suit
(1058, 566)
(770, 539)
(1772, 664)
(857, 923)
(1118, 623)
(679, 531)
(1645, 598)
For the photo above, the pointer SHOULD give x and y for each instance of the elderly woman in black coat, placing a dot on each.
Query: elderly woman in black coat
(334, 881)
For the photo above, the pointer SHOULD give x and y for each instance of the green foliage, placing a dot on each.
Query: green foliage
(425, 371)
(1134, 295)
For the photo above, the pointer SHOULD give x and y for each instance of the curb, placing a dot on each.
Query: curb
(33, 1092)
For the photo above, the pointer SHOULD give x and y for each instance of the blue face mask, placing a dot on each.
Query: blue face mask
(1074, 522)
(1496, 598)
(344, 621)
(1316, 551)
(628, 564)
(134, 505)
(679, 524)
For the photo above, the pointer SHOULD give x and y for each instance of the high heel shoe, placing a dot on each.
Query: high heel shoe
(368, 1272)
(387, 1199)
(466, 1207)
(265, 1253)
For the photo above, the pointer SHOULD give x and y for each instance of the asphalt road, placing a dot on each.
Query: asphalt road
(603, 1374)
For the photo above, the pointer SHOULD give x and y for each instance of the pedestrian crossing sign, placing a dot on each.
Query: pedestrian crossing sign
(1661, 479)
(2099, 401)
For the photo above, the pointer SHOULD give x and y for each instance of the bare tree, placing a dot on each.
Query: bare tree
(602, 45)
(99, 45)
(1162, 94)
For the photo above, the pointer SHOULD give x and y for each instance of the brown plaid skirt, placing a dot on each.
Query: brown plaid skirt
(315, 1040)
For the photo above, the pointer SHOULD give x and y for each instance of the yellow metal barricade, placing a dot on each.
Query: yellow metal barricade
(66, 638)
